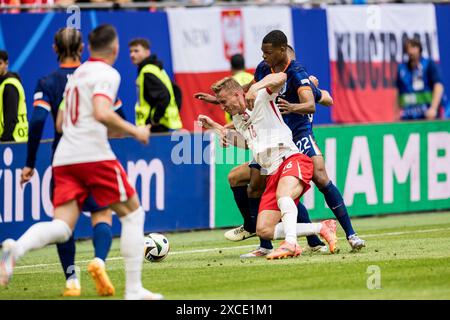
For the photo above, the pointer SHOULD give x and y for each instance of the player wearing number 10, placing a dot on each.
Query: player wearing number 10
(48, 97)
(84, 163)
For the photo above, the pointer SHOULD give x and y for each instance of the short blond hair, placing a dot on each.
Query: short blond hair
(227, 83)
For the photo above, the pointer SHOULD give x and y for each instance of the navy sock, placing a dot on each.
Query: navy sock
(254, 208)
(66, 253)
(102, 240)
(303, 217)
(241, 198)
(334, 200)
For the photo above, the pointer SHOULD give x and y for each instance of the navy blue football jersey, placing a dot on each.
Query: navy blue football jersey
(297, 77)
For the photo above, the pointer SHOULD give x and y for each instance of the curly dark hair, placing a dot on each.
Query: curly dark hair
(276, 37)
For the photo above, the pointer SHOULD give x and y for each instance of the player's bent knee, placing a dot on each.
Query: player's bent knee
(256, 188)
(264, 232)
(281, 193)
(233, 179)
(320, 177)
(239, 176)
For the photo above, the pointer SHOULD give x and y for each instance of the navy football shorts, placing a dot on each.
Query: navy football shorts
(254, 164)
(306, 143)
(90, 205)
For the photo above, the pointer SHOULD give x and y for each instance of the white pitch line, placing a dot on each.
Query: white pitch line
(120, 258)
(401, 233)
(236, 247)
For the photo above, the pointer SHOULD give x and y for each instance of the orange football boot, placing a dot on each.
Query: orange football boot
(285, 250)
(102, 283)
(328, 232)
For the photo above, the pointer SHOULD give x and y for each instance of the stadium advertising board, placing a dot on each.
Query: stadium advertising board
(379, 169)
(175, 194)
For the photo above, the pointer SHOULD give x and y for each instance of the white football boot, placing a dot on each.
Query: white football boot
(143, 294)
(7, 262)
(238, 234)
(356, 242)
(317, 249)
(259, 252)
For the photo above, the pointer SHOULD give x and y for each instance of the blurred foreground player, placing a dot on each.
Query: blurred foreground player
(84, 163)
(48, 98)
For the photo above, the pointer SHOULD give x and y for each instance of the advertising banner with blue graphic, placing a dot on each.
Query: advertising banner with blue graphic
(28, 38)
(171, 176)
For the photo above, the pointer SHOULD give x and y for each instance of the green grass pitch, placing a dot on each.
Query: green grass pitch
(412, 252)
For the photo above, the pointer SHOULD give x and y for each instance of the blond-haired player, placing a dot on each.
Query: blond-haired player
(290, 172)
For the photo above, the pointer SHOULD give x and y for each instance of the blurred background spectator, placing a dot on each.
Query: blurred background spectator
(419, 85)
(157, 104)
(13, 109)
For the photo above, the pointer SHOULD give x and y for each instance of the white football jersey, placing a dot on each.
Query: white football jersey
(84, 138)
(269, 138)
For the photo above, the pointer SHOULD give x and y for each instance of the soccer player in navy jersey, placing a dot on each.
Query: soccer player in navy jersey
(48, 97)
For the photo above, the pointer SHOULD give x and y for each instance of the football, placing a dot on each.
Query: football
(156, 247)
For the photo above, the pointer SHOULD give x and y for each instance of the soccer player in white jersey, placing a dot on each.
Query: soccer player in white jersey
(290, 172)
(84, 163)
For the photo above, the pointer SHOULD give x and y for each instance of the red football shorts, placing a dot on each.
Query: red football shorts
(297, 165)
(105, 180)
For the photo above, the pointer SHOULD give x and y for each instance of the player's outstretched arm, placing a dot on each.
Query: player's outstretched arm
(104, 114)
(234, 138)
(326, 99)
(206, 97)
(247, 86)
(208, 123)
(229, 125)
(274, 82)
(35, 129)
(307, 104)
(227, 133)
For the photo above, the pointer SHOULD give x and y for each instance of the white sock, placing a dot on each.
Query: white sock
(132, 248)
(73, 282)
(308, 229)
(100, 261)
(303, 230)
(278, 233)
(41, 234)
(289, 218)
